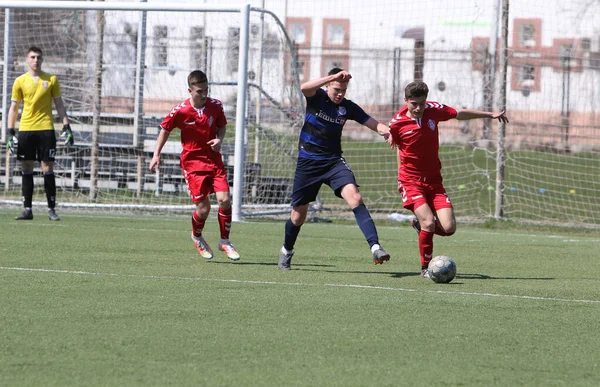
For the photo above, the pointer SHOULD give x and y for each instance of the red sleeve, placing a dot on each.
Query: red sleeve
(171, 121)
(221, 120)
(442, 112)
(395, 127)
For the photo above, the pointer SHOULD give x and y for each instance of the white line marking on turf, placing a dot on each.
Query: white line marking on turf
(298, 284)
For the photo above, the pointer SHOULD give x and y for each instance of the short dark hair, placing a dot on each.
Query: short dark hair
(35, 49)
(334, 70)
(196, 77)
(416, 89)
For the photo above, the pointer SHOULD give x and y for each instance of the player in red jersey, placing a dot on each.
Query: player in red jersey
(202, 123)
(414, 131)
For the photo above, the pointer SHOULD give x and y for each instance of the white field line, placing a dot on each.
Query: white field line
(533, 298)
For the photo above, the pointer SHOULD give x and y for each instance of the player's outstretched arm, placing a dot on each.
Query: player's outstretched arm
(161, 140)
(309, 88)
(381, 129)
(470, 114)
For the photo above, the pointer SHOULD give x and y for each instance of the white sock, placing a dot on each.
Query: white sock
(285, 251)
(375, 247)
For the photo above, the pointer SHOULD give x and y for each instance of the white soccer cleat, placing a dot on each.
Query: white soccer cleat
(226, 246)
(202, 247)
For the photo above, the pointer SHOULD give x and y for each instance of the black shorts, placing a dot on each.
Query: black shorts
(311, 174)
(37, 145)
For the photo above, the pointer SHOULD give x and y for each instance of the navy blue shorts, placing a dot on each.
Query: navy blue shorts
(311, 174)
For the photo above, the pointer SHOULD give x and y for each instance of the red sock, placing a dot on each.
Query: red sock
(425, 247)
(224, 222)
(197, 225)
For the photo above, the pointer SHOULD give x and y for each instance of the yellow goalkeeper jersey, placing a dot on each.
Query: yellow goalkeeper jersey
(37, 96)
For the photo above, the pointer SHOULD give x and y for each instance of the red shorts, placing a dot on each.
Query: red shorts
(416, 193)
(203, 183)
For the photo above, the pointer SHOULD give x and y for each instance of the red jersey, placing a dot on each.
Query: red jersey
(198, 126)
(418, 142)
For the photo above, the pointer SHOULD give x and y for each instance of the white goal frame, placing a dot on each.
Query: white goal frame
(244, 11)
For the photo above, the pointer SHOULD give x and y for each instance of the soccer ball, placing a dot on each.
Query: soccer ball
(442, 269)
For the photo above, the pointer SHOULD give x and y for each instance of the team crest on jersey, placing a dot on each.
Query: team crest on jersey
(431, 124)
(342, 111)
(45, 84)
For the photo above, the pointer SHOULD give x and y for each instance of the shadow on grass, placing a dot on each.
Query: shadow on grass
(488, 277)
(273, 264)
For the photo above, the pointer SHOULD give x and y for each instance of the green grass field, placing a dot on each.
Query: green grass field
(125, 300)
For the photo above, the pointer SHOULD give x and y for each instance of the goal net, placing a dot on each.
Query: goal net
(102, 57)
(544, 72)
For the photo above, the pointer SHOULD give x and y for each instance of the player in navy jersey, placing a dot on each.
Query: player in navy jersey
(320, 160)
(202, 123)
(414, 131)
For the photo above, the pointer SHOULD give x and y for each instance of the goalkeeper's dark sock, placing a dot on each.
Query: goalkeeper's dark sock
(27, 188)
(224, 222)
(291, 234)
(50, 187)
(425, 247)
(197, 225)
(366, 224)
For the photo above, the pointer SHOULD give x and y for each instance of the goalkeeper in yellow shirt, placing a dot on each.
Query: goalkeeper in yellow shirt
(36, 139)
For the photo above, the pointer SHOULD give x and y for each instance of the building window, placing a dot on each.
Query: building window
(161, 39)
(299, 29)
(336, 33)
(271, 46)
(526, 75)
(300, 65)
(330, 61)
(480, 53)
(198, 49)
(585, 44)
(527, 33)
(298, 33)
(233, 49)
(565, 51)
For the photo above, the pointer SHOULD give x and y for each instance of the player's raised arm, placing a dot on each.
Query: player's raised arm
(470, 114)
(309, 88)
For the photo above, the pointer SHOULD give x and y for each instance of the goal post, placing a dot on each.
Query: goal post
(540, 63)
(138, 86)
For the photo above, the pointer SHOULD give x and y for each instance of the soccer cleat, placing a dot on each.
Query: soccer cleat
(416, 225)
(52, 214)
(227, 247)
(380, 256)
(285, 260)
(202, 247)
(425, 273)
(26, 215)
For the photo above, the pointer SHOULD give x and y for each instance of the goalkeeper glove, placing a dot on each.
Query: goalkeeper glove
(67, 134)
(11, 141)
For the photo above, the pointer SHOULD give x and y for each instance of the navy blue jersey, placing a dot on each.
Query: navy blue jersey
(321, 135)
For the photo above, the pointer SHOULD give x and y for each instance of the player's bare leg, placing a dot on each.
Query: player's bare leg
(446, 221)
